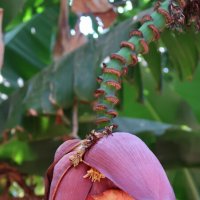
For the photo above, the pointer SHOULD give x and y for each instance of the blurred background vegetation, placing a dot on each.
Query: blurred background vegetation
(53, 53)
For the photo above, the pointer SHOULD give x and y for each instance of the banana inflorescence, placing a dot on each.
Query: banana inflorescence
(164, 15)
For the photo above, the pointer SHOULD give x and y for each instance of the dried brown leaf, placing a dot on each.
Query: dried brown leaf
(102, 9)
(65, 42)
(59, 116)
(1, 39)
(19, 128)
(32, 112)
(91, 6)
(75, 41)
(10, 174)
(63, 46)
(107, 17)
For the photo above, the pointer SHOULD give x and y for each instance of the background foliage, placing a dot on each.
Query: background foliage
(48, 80)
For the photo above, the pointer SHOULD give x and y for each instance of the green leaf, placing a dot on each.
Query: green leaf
(31, 157)
(139, 83)
(183, 52)
(189, 91)
(178, 147)
(29, 46)
(17, 151)
(153, 59)
(134, 77)
(137, 126)
(75, 74)
(11, 9)
(43, 127)
(74, 77)
(185, 182)
(168, 106)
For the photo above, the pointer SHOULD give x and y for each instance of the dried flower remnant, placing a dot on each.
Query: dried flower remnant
(192, 13)
(177, 17)
(84, 145)
(94, 175)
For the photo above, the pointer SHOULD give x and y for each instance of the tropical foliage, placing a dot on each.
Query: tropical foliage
(48, 79)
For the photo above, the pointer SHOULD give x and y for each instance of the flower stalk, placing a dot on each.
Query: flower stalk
(110, 80)
(102, 165)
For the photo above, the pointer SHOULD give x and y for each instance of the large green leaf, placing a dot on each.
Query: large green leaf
(185, 182)
(28, 46)
(153, 59)
(137, 126)
(183, 51)
(178, 148)
(74, 74)
(74, 77)
(31, 157)
(189, 91)
(166, 106)
(11, 9)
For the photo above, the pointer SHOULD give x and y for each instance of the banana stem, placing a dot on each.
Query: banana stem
(110, 80)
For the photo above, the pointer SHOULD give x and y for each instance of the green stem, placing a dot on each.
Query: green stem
(152, 111)
(194, 192)
(138, 43)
